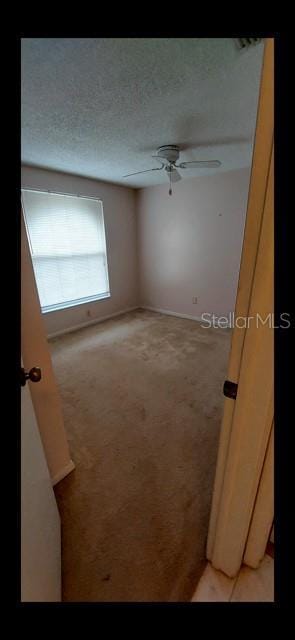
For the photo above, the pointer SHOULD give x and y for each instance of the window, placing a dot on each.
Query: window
(68, 248)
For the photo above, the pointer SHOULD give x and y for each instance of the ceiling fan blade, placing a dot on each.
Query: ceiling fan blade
(175, 176)
(145, 171)
(199, 164)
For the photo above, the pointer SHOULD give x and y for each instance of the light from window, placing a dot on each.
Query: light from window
(68, 248)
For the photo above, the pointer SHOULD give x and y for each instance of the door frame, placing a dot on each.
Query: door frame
(221, 532)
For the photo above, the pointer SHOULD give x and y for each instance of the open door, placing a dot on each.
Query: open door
(244, 473)
(35, 351)
(40, 522)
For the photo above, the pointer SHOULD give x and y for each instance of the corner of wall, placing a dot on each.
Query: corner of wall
(137, 222)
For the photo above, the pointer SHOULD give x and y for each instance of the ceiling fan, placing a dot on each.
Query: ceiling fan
(168, 156)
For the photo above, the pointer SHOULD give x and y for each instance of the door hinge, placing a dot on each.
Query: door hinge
(230, 389)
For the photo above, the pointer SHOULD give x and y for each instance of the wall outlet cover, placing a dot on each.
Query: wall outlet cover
(195, 300)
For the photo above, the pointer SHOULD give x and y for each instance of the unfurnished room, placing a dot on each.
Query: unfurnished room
(145, 177)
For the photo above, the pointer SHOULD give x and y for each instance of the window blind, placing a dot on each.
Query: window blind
(68, 248)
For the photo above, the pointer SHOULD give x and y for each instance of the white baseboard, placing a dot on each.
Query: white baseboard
(75, 327)
(173, 313)
(183, 315)
(63, 473)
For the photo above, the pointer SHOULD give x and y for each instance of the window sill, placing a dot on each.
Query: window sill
(75, 303)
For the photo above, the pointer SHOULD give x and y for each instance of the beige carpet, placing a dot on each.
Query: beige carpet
(142, 401)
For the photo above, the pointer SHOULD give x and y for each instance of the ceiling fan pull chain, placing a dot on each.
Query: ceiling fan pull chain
(170, 190)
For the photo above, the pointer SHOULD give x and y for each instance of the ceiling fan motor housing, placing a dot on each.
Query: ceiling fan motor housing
(168, 152)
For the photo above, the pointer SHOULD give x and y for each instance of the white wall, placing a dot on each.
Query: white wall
(120, 228)
(190, 244)
(162, 250)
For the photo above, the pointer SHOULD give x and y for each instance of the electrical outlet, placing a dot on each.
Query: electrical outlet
(195, 300)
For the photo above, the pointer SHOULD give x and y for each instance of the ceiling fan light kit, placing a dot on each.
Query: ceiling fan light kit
(168, 155)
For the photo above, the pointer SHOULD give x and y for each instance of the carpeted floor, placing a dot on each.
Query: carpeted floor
(142, 401)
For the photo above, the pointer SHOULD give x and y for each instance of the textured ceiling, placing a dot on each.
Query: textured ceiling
(100, 107)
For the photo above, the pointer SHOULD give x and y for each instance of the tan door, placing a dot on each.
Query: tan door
(247, 421)
(45, 395)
